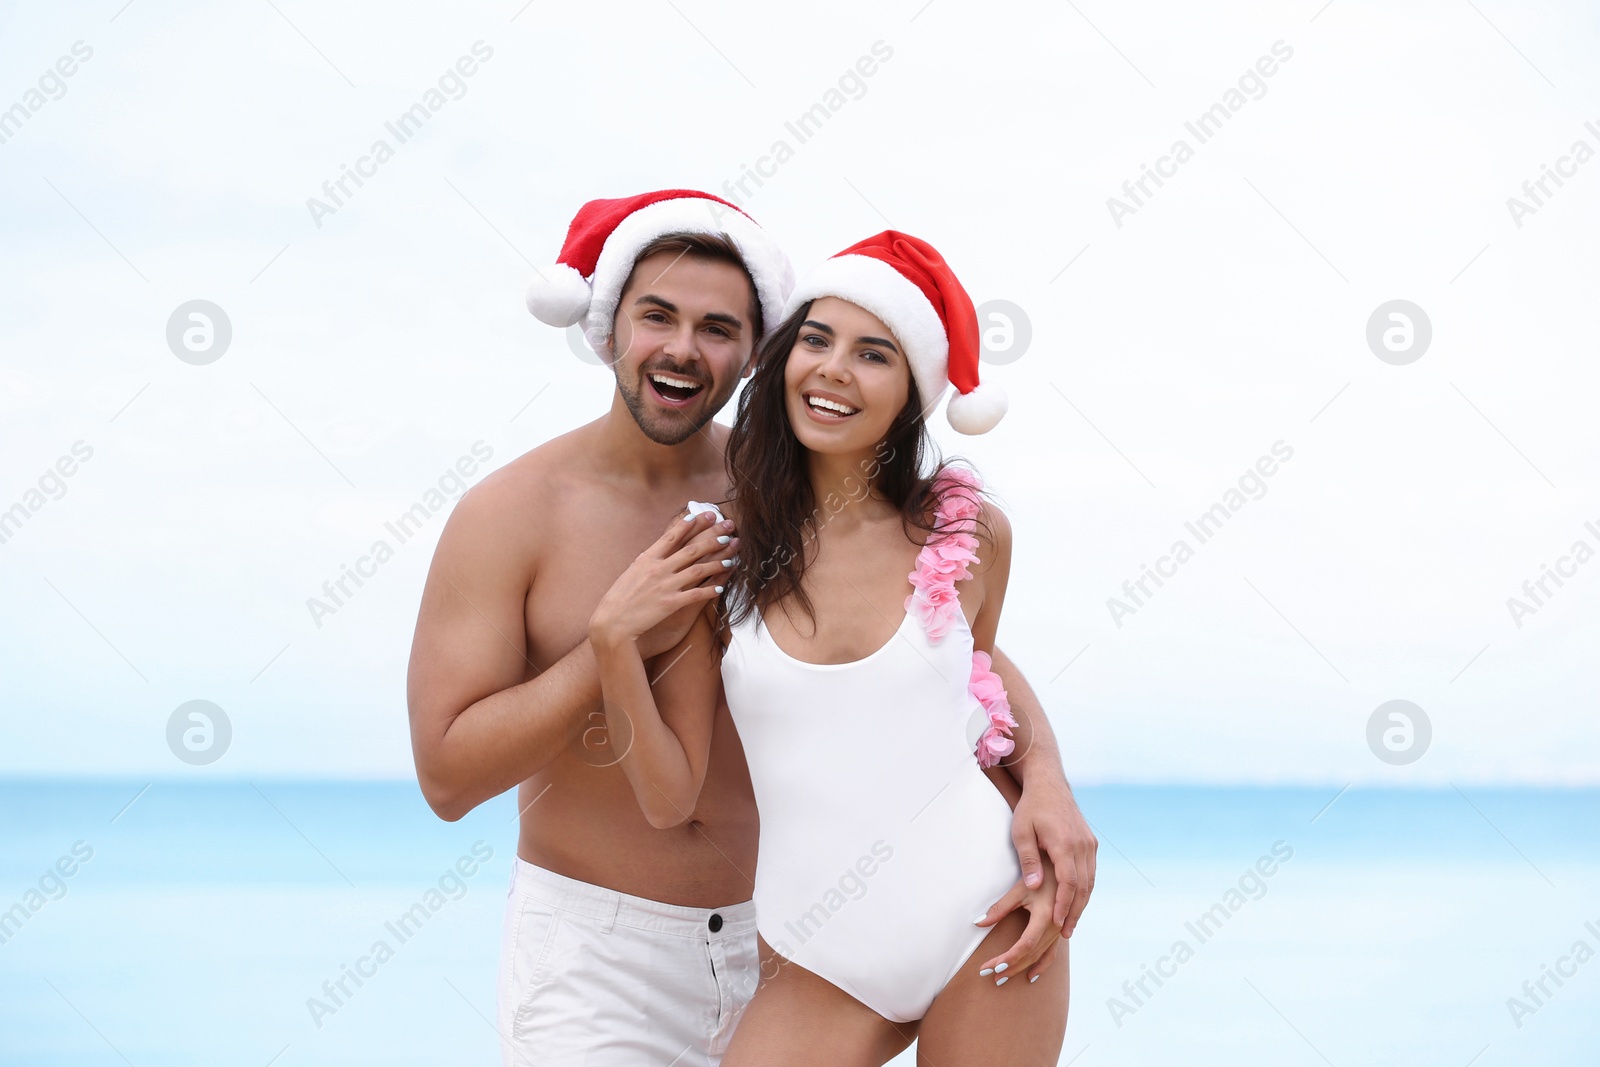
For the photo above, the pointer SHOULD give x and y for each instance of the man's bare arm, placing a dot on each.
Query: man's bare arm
(1036, 751)
(1047, 818)
(478, 729)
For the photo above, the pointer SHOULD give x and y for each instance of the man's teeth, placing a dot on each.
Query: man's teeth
(680, 383)
(830, 405)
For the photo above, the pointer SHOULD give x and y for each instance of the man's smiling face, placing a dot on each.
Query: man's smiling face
(683, 337)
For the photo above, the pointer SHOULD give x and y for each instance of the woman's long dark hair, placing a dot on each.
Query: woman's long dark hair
(773, 505)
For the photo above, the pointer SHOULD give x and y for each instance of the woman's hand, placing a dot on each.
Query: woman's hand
(655, 601)
(1035, 950)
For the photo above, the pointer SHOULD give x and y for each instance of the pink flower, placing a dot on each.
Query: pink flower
(944, 563)
(960, 507)
(987, 688)
(946, 557)
(935, 607)
(982, 665)
(986, 685)
(960, 476)
(950, 557)
(993, 748)
(958, 487)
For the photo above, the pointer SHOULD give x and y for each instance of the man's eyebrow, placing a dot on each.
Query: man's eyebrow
(710, 316)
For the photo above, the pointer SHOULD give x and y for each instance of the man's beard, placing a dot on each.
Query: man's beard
(665, 426)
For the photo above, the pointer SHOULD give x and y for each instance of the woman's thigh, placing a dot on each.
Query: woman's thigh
(1019, 1024)
(796, 1017)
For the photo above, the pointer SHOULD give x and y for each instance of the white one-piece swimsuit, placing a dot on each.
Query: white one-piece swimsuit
(881, 838)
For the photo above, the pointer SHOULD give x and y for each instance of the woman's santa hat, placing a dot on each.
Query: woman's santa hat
(605, 240)
(904, 281)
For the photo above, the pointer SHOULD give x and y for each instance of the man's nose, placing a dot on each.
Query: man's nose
(683, 343)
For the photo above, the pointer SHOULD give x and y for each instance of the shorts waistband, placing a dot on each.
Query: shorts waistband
(610, 907)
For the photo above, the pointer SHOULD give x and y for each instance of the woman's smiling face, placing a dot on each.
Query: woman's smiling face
(846, 379)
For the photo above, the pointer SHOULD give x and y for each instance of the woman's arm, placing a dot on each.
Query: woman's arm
(994, 571)
(1005, 783)
(662, 726)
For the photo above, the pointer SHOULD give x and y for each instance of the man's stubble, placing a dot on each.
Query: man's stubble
(668, 427)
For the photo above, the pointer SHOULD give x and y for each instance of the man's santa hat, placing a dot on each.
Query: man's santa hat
(605, 239)
(904, 281)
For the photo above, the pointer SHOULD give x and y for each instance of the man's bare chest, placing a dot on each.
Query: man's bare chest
(582, 550)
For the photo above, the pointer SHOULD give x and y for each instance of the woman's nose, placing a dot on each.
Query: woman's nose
(837, 365)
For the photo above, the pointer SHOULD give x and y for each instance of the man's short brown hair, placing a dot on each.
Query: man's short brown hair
(711, 247)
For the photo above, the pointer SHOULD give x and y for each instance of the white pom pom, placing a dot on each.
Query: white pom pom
(559, 297)
(978, 411)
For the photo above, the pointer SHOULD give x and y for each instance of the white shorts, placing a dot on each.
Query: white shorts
(590, 977)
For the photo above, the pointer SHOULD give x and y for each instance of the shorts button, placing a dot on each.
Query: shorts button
(715, 922)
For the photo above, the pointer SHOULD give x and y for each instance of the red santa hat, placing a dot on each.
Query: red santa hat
(904, 281)
(605, 239)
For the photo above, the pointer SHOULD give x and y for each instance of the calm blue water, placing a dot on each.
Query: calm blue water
(1396, 930)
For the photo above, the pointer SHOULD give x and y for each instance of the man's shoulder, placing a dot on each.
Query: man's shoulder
(514, 502)
(543, 474)
(533, 474)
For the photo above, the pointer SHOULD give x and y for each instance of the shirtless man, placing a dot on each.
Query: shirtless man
(623, 940)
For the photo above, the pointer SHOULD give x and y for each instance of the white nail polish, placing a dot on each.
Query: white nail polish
(986, 972)
(718, 588)
(724, 539)
(1002, 981)
(727, 563)
(1002, 967)
(1035, 978)
(980, 918)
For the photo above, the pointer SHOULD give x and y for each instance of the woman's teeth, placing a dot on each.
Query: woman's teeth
(830, 406)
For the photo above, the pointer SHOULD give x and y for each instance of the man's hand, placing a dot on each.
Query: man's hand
(655, 601)
(1047, 820)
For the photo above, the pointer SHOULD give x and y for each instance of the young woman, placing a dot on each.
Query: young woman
(852, 642)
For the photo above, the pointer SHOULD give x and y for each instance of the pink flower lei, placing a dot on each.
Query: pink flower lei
(942, 562)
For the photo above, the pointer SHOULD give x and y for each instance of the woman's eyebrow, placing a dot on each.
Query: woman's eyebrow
(884, 341)
(815, 325)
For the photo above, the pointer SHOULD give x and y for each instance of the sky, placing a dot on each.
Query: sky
(1347, 322)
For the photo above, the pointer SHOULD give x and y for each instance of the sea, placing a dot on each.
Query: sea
(177, 922)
